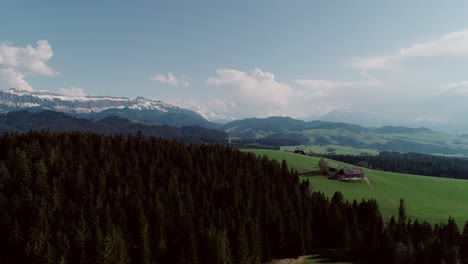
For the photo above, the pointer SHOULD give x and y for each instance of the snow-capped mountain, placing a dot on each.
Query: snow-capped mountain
(212, 115)
(139, 109)
(14, 98)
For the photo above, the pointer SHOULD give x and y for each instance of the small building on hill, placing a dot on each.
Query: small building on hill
(349, 174)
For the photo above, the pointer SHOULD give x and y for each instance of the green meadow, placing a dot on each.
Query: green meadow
(426, 198)
(332, 149)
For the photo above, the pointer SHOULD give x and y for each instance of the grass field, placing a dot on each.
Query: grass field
(344, 141)
(426, 198)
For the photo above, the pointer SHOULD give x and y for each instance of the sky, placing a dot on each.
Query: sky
(396, 59)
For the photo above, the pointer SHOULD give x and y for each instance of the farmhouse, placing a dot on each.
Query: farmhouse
(348, 174)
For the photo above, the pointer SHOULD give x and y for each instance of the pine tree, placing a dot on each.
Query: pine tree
(113, 249)
(463, 248)
(401, 212)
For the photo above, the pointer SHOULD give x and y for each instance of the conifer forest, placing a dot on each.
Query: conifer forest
(87, 198)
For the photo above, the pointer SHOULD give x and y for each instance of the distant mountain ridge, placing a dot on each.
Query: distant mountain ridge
(358, 118)
(24, 121)
(278, 124)
(454, 126)
(318, 133)
(139, 109)
(140, 114)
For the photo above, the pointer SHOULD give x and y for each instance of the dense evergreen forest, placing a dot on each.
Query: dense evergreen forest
(88, 198)
(411, 163)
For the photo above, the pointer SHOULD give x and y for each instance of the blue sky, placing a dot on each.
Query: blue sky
(401, 60)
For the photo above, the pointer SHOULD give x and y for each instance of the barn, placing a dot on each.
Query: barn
(349, 174)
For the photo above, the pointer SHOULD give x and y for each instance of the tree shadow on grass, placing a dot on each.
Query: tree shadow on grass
(311, 173)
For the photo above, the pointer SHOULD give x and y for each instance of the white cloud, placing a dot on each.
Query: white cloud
(253, 93)
(449, 45)
(18, 62)
(15, 79)
(240, 94)
(29, 60)
(459, 87)
(72, 91)
(169, 79)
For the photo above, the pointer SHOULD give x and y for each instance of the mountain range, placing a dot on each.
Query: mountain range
(319, 134)
(453, 124)
(358, 118)
(98, 107)
(113, 115)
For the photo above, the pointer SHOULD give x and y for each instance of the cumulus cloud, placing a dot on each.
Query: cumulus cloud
(15, 79)
(18, 62)
(72, 91)
(256, 91)
(169, 79)
(448, 45)
(29, 60)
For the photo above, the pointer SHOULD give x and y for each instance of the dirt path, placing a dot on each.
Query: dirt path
(300, 260)
(388, 200)
(284, 261)
(370, 184)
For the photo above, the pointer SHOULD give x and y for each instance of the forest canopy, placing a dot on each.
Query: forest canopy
(88, 198)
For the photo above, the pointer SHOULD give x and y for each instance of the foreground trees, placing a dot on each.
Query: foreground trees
(88, 198)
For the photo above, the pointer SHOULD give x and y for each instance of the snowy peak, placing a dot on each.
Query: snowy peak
(54, 96)
(14, 98)
(139, 109)
(142, 103)
(212, 115)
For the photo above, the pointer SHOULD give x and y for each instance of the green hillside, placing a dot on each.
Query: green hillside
(331, 149)
(426, 198)
(324, 137)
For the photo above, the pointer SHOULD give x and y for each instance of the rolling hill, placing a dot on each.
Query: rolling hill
(24, 121)
(324, 137)
(426, 198)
